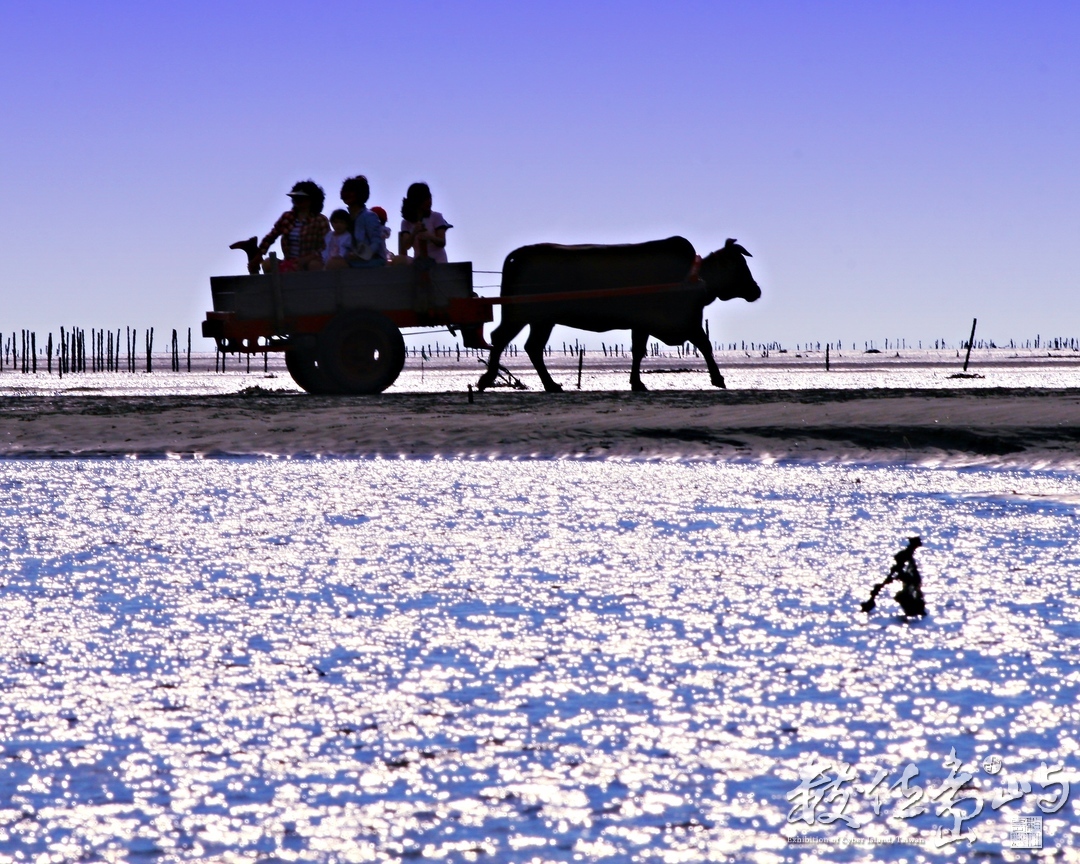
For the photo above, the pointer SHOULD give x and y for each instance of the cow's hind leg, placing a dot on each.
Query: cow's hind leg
(639, 341)
(534, 347)
(500, 338)
(701, 342)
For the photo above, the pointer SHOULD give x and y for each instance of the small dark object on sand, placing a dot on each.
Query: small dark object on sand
(910, 597)
(256, 390)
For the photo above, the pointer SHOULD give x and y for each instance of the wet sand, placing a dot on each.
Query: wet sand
(1023, 427)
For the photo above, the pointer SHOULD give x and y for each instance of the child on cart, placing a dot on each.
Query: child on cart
(339, 242)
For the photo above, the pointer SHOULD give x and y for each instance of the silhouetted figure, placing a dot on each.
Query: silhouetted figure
(672, 316)
(339, 242)
(369, 244)
(423, 230)
(904, 570)
(381, 215)
(302, 230)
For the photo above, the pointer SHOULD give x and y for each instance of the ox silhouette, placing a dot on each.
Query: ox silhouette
(673, 316)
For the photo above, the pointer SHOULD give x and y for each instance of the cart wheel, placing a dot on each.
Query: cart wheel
(307, 373)
(362, 352)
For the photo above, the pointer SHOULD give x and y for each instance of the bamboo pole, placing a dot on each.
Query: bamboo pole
(971, 339)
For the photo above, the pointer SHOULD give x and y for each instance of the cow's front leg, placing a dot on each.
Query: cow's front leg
(639, 342)
(500, 338)
(534, 347)
(701, 342)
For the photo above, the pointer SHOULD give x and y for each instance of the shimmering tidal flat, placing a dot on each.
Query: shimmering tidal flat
(453, 373)
(517, 661)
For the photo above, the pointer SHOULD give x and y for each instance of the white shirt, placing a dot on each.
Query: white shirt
(430, 223)
(337, 245)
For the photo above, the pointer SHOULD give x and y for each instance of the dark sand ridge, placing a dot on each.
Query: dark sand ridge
(1034, 427)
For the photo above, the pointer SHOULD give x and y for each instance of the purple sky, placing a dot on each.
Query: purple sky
(894, 168)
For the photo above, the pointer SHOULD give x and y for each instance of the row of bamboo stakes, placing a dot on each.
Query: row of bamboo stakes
(75, 351)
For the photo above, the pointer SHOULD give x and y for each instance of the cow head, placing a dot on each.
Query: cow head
(727, 274)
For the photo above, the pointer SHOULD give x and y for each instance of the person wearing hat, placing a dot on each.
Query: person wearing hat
(302, 229)
(381, 213)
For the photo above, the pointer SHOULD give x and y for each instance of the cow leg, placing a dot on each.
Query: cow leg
(639, 342)
(500, 338)
(534, 347)
(701, 342)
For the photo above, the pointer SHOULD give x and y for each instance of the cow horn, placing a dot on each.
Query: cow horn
(731, 244)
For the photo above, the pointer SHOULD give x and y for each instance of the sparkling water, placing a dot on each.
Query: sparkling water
(348, 660)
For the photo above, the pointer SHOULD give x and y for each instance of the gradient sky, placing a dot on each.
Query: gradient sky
(895, 169)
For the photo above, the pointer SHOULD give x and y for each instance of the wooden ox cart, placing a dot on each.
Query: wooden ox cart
(341, 329)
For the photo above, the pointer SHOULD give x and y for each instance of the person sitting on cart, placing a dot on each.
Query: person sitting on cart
(339, 242)
(369, 246)
(302, 230)
(422, 229)
(381, 213)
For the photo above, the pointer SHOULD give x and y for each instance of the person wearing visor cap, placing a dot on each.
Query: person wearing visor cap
(302, 229)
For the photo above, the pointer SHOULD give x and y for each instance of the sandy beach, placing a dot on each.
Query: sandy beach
(1024, 427)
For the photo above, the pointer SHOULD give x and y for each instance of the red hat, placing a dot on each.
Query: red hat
(378, 211)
